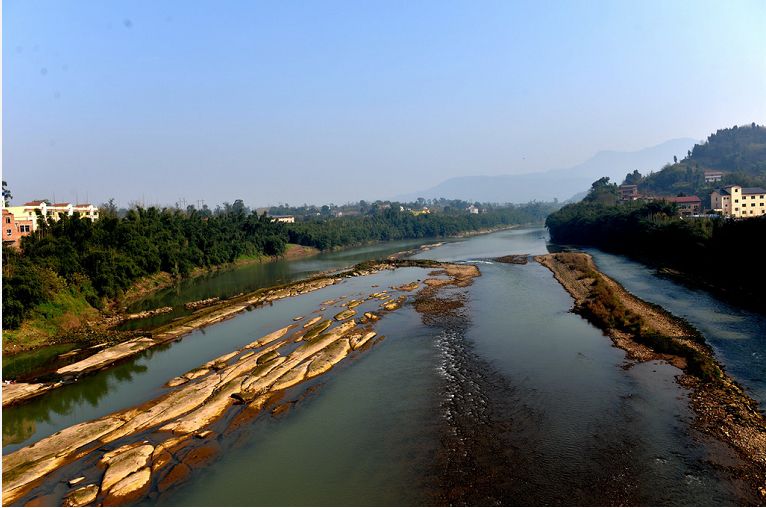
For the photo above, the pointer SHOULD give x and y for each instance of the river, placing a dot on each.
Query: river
(516, 401)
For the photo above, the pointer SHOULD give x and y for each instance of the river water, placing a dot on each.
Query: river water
(516, 401)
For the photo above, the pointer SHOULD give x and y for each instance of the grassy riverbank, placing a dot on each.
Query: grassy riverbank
(648, 332)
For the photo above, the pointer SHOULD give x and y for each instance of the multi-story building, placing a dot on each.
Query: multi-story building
(14, 229)
(22, 220)
(713, 176)
(737, 201)
(686, 205)
(628, 192)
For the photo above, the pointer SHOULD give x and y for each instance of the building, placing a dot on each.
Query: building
(472, 209)
(737, 201)
(686, 205)
(14, 229)
(628, 192)
(86, 211)
(24, 219)
(289, 219)
(713, 176)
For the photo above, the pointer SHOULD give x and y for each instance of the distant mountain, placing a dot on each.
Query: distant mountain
(561, 184)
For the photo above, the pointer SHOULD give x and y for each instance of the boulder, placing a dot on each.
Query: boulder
(343, 315)
(129, 489)
(125, 464)
(84, 496)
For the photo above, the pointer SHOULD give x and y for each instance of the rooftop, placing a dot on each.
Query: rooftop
(683, 199)
(753, 190)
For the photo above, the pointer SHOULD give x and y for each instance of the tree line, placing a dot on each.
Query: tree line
(100, 260)
(103, 258)
(723, 253)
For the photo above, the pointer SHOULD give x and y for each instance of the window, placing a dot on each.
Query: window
(7, 220)
(8, 232)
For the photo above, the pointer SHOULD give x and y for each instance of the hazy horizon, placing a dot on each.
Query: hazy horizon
(341, 101)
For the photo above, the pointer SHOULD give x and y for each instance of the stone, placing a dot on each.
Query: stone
(160, 458)
(200, 456)
(125, 464)
(343, 315)
(177, 474)
(196, 373)
(75, 481)
(315, 330)
(292, 377)
(129, 489)
(221, 359)
(271, 355)
(207, 412)
(176, 381)
(19, 392)
(328, 357)
(362, 340)
(312, 321)
(107, 356)
(271, 337)
(23, 467)
(84, 496)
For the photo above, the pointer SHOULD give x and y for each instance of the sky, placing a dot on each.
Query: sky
(164, 102)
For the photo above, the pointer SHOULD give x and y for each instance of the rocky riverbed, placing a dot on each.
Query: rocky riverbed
(124, 456)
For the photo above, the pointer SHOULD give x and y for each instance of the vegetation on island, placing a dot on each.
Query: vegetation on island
(68, 269)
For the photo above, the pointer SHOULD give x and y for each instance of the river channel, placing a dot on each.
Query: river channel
(514, 401)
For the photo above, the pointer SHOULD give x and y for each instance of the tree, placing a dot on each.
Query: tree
(633, 178)
(602, 191)
(7, 197)
(675, 160)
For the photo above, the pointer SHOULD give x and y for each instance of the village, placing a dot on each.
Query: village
(731, 201)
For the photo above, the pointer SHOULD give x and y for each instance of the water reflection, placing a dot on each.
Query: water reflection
(20, 422)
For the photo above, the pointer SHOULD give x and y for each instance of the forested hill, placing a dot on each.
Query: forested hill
(738, 152)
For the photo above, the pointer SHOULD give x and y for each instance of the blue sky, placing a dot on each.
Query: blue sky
(329, 101)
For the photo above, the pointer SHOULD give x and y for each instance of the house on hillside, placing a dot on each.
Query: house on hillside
(713, 176)
(628, 193)
(472, 209)
(737, 201)
(14, 229)
(686, 205)
(288, 219)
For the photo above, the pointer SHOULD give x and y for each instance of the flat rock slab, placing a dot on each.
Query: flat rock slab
(19, 392)
(107, 356)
